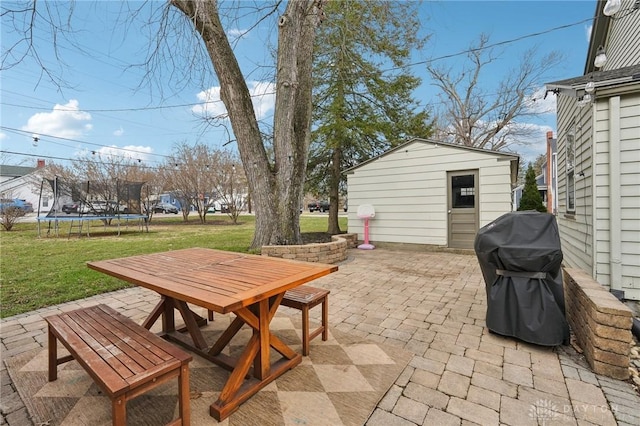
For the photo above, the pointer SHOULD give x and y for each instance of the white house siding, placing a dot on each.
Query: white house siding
(623, 48)
(27, 188)
(627, 237)
(575, 227)
(408, 189)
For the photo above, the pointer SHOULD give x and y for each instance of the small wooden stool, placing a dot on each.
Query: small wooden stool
(304, 298)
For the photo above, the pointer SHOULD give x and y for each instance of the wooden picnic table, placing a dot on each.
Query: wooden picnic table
(250, 286)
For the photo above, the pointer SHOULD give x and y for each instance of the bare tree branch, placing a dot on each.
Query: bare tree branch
(472, 117)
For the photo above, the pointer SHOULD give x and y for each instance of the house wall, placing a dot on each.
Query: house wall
(408, 189)
(27, 188)
(602, 238)
(622, 44)
(617, 235)
(575, 226)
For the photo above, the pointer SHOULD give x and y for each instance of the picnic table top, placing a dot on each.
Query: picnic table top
(221, 281)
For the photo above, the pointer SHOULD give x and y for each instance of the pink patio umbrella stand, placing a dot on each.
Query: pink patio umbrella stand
(366, 212)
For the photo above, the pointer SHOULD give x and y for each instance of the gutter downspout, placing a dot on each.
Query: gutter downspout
(615, 237)
(551, 197)
(595, 173)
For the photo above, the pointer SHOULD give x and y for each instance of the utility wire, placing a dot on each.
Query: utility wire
(29, 133)
(438, 58)
(489, 46)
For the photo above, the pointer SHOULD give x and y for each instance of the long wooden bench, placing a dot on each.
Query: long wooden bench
(304, 298)
(123, 358)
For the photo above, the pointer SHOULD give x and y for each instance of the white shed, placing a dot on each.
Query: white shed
(431, 193)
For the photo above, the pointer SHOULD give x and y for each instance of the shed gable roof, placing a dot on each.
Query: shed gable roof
(505, 155)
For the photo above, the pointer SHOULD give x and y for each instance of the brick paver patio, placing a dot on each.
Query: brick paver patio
(432, 304)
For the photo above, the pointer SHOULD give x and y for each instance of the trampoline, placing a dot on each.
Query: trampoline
(118, 201)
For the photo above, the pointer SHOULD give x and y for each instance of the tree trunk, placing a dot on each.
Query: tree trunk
(276, 191)
(334, 194)
(292, 115)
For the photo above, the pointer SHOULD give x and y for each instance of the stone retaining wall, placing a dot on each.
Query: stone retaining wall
(600, 322)
(331, 252)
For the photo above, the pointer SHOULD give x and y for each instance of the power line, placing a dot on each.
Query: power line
(28, 134)
(50, 157)
(489, 46)
(438, 58)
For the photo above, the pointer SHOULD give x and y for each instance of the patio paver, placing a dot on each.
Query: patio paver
(432, 304)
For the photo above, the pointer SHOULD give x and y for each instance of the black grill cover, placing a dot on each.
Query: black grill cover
(520, 258)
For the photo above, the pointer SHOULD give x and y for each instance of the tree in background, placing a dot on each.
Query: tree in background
(531, 198)
(193, 33)
(538, 162)
(472, 117)
(95, 176)
(200, 177)
(362, 91)
(275, 183)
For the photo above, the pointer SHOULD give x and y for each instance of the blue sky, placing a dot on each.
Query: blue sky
(109, 107)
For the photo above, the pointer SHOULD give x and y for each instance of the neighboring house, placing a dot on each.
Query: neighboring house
(547, 181)
(599, 154)
(24, 183)
(431, 193)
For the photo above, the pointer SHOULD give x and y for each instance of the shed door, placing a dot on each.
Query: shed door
(463, 208)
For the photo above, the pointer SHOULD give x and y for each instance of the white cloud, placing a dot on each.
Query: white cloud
(119, 132)
(3, 136)
(236, 33)
(64, 121)
(211, 105)
(587, 30)
(262, 95)
(532, 144)
(537, 104)
(129, 151)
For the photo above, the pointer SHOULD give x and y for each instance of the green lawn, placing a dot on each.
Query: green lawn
(38, 272)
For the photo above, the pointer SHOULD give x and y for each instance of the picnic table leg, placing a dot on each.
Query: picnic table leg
(191, 324)
(183, 395)
(119, 411)
(53, 355)
(262, 363)
(155, 314)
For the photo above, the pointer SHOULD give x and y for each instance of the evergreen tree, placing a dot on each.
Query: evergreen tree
(531, 198)
(363, 103)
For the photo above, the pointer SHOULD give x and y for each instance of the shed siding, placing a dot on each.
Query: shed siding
(621, 50)
(408, 189)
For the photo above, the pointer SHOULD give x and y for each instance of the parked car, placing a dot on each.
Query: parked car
(320, 206)
(17, 203)
(70, 208)
(165, 208)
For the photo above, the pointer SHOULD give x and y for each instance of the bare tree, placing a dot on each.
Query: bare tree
(473, 117)
(275, 181)
(102, 177)
(230, 184)
(199, 175)
(275, 185)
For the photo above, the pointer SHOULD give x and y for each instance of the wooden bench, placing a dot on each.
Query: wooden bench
(123, 358)
(304, 298)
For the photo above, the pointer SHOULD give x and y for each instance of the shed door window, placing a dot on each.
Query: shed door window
(463, 191)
